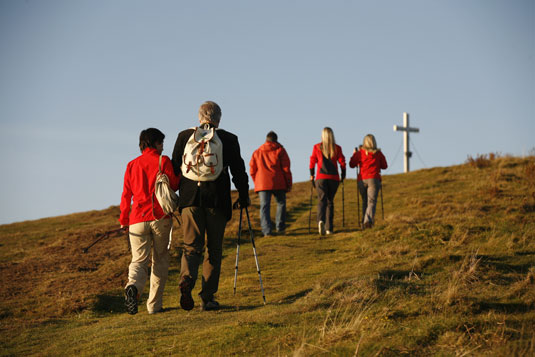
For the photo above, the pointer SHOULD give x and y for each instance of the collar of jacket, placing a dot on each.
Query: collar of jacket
(271, 145)
(150, 151)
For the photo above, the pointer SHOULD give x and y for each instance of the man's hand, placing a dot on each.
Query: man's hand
(241, 202)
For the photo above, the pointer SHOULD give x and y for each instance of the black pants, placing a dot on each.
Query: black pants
(326, 192)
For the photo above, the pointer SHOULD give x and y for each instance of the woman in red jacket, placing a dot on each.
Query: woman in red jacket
(327, 155)
(371, 160)
(147, 223)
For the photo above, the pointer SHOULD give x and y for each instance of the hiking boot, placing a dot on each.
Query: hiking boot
(186, 300)
(329, 232)
(157, 311)
(209, 305)
(130, 299)
(321, 228)
(368, 225)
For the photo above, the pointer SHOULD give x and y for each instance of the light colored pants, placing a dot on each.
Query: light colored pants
(143, 237)
(369, 190)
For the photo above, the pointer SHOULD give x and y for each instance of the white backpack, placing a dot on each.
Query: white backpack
(203, 155)
(167, 198)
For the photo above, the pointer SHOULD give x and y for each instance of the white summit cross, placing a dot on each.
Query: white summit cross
(406, 129)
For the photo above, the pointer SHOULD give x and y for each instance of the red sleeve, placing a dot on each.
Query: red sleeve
(313, 158)
(126, 198)
(252, 166)
(355, 159)
(285, 164)
(174, 180)
(341, 158)
(383, 161)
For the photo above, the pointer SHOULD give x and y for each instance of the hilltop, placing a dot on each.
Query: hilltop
(449, 270)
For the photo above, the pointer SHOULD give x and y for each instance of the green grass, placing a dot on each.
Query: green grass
(449, 271)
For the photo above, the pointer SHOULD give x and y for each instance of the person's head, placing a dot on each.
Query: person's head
(369, 144)
(328, 144)
(272, 136)
(210, 113)
(151, 138)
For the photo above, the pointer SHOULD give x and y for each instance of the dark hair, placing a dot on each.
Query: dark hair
(272, 136)
(149, 138)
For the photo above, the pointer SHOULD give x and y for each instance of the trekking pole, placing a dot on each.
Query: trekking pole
(382, 208)
(237, 252)
(310, 208)
(358, 198)
(343, 206)
(255, 256)
(103, 236)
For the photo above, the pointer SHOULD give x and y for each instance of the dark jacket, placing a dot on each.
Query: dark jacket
(212, 194)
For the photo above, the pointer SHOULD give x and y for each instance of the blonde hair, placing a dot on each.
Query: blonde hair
(328, 144)
(369, 144)
(209, 112)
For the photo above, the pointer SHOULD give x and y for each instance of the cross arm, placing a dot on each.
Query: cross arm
(402, 128)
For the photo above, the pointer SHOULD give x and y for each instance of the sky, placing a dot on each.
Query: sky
(80, 79)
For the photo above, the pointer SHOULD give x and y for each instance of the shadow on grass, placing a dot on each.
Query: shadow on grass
(400, 279)
(109, 304)
(480, 307)
(294, 297)
(501, 264)
(230, 308)
(298, 211)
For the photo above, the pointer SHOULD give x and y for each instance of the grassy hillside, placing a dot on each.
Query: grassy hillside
(450, 270)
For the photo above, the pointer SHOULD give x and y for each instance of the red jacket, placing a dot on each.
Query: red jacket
(139, 180)
(370, 164)
(270, 168)
(327, 169)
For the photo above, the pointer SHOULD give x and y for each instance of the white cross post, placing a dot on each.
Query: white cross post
(406, 129)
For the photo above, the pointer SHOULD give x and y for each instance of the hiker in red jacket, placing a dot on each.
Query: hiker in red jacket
(327, 155)
(270, 170)
(148, 225)
(371, 160)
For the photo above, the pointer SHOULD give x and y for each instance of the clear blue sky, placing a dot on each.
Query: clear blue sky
(80, 79)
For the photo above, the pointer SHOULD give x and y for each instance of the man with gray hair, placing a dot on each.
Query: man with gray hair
(203, 155)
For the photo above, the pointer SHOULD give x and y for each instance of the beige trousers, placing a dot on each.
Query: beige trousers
(143, 237)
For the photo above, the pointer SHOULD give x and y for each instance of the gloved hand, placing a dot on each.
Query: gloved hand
(242, 202)
(343, 175)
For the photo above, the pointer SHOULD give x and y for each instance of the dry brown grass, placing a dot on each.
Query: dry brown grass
(449, 271)
(482, 160)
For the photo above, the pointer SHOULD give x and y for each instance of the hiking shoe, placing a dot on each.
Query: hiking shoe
(368, 225)
(209, 305)
(329, 232)
(321, 228)
(186, 300)
(130, 299)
